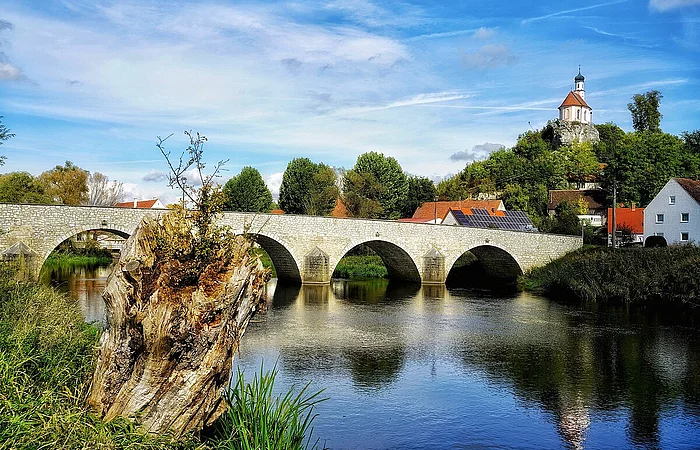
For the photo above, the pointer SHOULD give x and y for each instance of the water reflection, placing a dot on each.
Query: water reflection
(86, 284)
(426, 367)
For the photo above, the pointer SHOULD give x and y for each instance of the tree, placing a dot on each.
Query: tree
(247, 192)
(610, 138)
(102, 192)
(565, 221)
(579, 161)
(4, 135)
(295, 190)
(178, 303)
(66, 184)
(361, 193)
(388, 173)
(324, 192)
(645, 111)
(420, 190)
(22, 187)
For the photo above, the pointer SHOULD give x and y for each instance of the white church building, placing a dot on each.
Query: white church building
(574, 108)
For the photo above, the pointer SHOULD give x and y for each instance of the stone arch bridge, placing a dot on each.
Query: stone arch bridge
(303, 248)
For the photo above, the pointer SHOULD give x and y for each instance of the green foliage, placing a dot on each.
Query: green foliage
(324, 192)
(645, 111)
(258, 420)
(247, 192)
(579, 161)
(611, 136)
(47, 355)
(66, 184)
(565, 220)
(420, 190)
(361, 193)
(386, 172)
(296, 185)
(4, 135)
(22, 187)
(634, 275)
(360, 267)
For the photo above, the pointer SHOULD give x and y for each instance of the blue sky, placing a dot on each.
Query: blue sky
(433, 84)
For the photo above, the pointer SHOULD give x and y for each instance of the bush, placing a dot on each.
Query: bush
(356, 267)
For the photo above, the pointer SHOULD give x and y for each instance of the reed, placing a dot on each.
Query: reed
(631, 275)
(360, 267)
(256, 419)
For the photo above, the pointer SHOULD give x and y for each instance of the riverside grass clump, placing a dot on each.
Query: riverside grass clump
(47, 357)
(257, 420)
(666, 275)
(359, 267)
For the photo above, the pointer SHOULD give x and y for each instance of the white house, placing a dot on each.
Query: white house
(574, 107)
(675, 212)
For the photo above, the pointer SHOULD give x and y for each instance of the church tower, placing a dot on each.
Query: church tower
(574, 108)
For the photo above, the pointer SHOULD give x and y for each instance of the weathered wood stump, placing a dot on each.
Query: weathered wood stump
(167, 353)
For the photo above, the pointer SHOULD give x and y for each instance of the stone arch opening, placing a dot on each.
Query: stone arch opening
(79, 236)
(398, 263)
(484, 266)
(285, 266)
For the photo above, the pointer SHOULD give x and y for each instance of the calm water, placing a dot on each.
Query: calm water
(431, 367)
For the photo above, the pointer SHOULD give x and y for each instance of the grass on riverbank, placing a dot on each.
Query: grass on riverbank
(61, 260)
(47, 356)
(633, 275)
(360, 267)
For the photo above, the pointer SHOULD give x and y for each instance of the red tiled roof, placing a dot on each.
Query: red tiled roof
(573, 99)
(145, 204)
(427, 209)
(627, 217)
(692, 187)
(595, 198)
(276, 211)
(418, 220)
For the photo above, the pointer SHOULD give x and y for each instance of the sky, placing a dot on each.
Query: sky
(433, 84)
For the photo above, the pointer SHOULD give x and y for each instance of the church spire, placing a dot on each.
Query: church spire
(578, 81)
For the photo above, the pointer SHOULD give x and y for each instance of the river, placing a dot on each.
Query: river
(431, 367)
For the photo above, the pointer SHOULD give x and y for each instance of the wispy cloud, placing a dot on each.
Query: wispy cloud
(478, 152)
(484, 33)
(668, 5)
(569, 11)
(489, 56)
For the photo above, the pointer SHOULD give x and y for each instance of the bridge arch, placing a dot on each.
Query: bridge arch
(286, 266)
(398, 262)
(491, 260)
(64, 235)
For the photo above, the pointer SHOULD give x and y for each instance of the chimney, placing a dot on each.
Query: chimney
(135, 203)
(634, 206)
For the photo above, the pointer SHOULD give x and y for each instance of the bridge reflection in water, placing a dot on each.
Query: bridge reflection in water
(411, 366)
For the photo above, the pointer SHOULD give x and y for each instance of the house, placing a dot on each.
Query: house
(674, 213)
(142, 204)
(631, 219)
(593, 199)
(434, 212)
(485, 218)
(574, 108)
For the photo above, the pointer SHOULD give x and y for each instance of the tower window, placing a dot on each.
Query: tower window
(578, 113)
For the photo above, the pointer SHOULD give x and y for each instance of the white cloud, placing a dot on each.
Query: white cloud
(489, 56)
(484, 33)
(273, 182)
(668, 5)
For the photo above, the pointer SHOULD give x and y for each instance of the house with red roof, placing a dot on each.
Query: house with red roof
(574, 107)
(142, 204)
(434, 212)
(674, 213)
(631, 219)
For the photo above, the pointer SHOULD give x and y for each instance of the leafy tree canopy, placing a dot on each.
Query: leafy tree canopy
(420, 190)
(388, 173)
(4, 135)
(247, 192)
(22, 187)
(645, 111)
(66, 184)
(361, 193)
(324, 192)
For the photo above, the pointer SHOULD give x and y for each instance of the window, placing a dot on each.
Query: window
(685, 217)
(585, 115)
(684, 237)
(659, 218)
(578, 113)
(566, 113)
(672, 200)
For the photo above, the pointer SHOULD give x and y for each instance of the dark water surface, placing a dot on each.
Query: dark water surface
(431, 367)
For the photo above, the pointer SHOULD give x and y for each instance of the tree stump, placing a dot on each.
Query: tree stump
(166, 356)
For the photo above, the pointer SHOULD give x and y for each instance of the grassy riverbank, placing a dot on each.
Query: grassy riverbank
(360, 267)
(47, 356)
(61, 260)
(632, 275)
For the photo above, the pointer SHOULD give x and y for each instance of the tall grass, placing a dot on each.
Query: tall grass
(61, 260)
(257, 420)
(47, 357)
(634, 275)
(358, 267)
